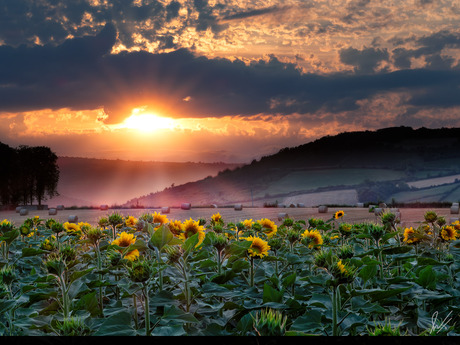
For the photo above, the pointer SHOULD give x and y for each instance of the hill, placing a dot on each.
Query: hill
(368, 166)
(92, 182)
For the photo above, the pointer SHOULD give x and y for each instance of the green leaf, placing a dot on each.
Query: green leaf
(424, 261)
(397, 250)
(427, 278)
(310, 322)
(161, 237)
(118, 324)
(367, 272)
(6, 305)
(289, 280)
(78, 274)
(379, 294)
(9, 236)
(174, 313)
(270, 294)
(26, 252)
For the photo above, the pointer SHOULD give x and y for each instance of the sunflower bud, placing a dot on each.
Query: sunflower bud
(24, 230)
(431, 216)
(376, 231)
(95, 235)
(114, 257)
(139, 271)
(49, 223)
(270, 323)
(345, 229)
(57, 228)
(345, 252)
(7, 275)
(174, 253)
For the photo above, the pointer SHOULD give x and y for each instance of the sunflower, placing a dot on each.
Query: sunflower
(339, 214)
(268, 227)
(409, 237)
(176, 227)
(216, 219)
(71, 227)
(456, 225)
(448, 233)
(248, 223)
(313, 238)
(159, 218)
(191, 228)
(259, 247)
(130, 221)
(341, 267)
(125, 240)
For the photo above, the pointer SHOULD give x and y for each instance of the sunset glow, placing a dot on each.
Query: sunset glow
(148, 122)
(227, 80)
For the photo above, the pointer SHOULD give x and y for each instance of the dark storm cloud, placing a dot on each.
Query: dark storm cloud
(364, 61)
(81, 74)
(429, 47)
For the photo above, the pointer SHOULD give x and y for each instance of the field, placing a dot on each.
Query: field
(223, 272)
(409, 216)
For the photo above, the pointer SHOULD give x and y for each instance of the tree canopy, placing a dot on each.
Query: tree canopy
(28, 174)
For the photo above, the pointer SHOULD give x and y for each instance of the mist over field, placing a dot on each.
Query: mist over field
(92, 182)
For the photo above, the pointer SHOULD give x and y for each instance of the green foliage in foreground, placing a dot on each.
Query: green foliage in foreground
(128, 277)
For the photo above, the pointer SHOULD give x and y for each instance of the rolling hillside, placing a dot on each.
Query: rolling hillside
(368, 166)
(92, 182)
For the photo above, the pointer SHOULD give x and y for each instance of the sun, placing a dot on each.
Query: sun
(147, 122)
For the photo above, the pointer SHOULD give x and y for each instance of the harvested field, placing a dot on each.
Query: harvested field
(409, 216)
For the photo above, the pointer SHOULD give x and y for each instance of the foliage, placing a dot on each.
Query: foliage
(311, 277)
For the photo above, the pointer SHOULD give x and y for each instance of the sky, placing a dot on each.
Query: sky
(229, 81)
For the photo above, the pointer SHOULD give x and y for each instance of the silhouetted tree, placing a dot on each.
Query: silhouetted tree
(28, 174)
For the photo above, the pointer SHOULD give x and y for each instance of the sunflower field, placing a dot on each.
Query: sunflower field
(153, 276)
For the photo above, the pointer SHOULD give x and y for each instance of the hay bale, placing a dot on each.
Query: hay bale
(383, 205)
(282, 215)
(360, 204)
(72, 218)
(214, 206)
(281, 205)
(394, 210)
(186, 206)
(23, 212)
(322, 209)
(300, 205)
(104, 207)
(52, 211)
(18, 209)
(292, 206)
(165, 210)
(455, 204)
(378, 211)
(238, 207)
(60, 207)
(454, 209)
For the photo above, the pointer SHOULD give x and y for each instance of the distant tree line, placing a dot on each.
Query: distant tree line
(27, 174)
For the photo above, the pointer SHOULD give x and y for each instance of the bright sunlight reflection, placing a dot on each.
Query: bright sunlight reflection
(148, 122)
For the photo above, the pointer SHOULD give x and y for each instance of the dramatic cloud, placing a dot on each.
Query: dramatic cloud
(321, 66)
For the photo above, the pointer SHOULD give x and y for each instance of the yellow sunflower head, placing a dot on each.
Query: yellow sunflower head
(259, 247)
(268, 227)
(339, 214)
(216, 218)
(71, 227)
(176, 227)
(130, 221)
(192, 227)
(248, 223)
(159, 218)
(312, 238)
(124, 240)
(409, 236)
(448, 233)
